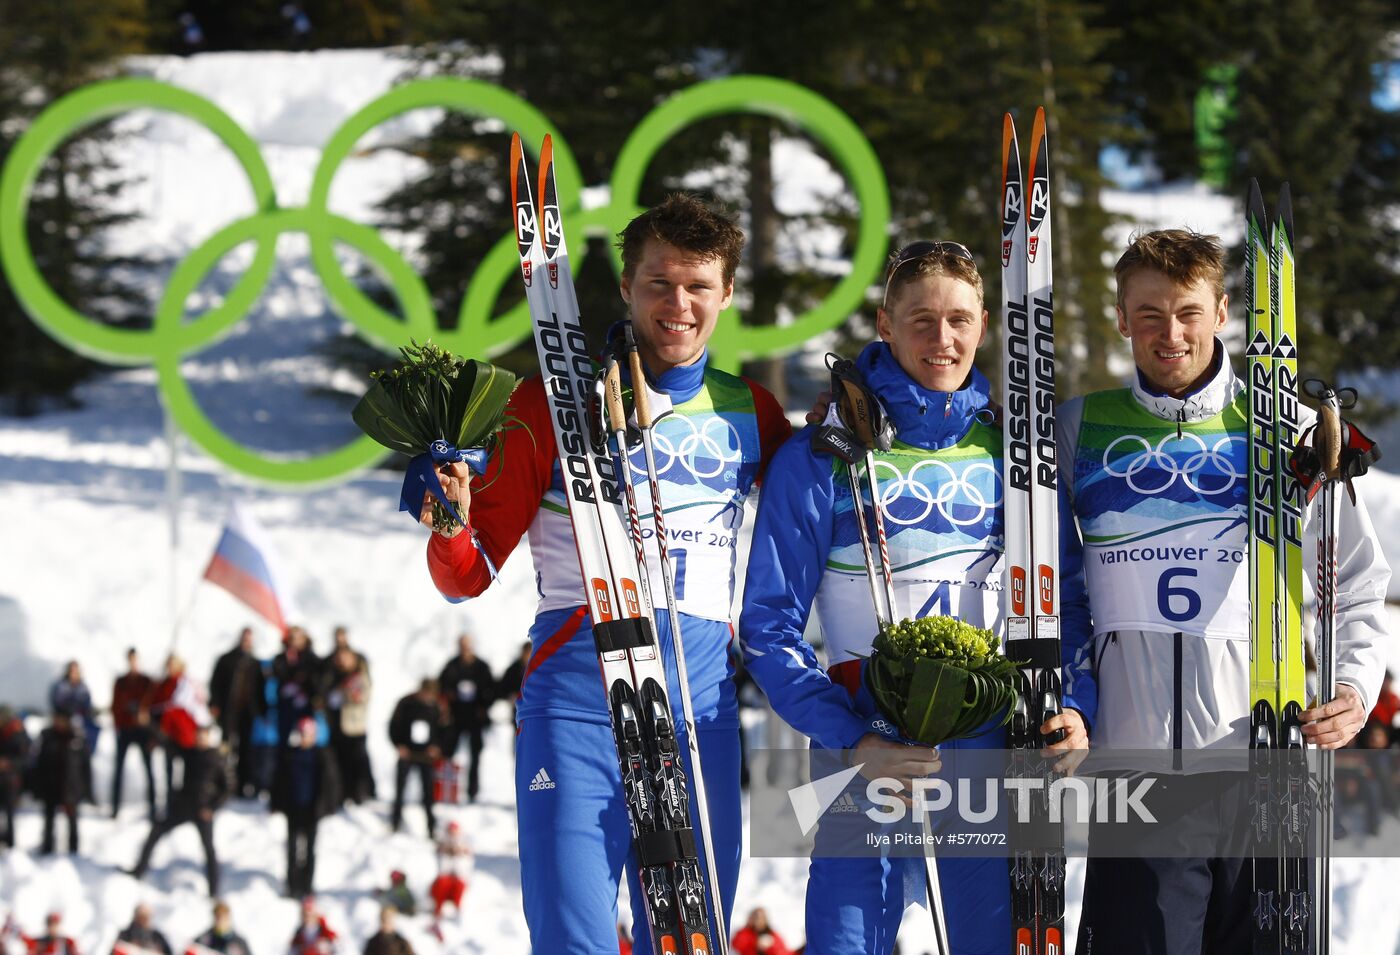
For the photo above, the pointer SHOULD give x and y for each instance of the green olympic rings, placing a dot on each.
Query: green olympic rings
(171, 337)
(733, 341)
(473, 98)
(86, 106)
(265, 228)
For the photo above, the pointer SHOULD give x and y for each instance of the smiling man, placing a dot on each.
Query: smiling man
(1160, 469)
(679, 261)
(940, 495)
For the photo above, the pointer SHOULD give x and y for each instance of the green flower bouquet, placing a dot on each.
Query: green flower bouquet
(436, 408)
(939, 679)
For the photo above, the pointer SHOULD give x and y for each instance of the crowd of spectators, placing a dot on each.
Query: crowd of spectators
(291, 730)
(140, 937)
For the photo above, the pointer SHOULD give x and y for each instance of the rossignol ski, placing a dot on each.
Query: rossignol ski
(1030, 498)
(653, 777)
(1281, 790)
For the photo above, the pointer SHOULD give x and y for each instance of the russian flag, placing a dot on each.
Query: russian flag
(244, 566)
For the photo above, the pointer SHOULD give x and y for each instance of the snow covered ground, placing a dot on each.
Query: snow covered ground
(88, 567)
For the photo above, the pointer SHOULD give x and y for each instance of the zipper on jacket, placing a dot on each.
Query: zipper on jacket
(1176, 700)
(1180, 418)
(948, 406)
(1100, 654)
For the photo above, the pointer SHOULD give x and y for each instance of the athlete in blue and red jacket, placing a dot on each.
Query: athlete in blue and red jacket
(678, 274)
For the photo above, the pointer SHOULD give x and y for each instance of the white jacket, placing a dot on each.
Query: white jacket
(1182, 690)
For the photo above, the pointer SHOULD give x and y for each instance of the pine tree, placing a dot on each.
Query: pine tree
(1161, 55)
(932, 109)
(285, 24)
(1307, 113)
(459, 208)
(47, 51)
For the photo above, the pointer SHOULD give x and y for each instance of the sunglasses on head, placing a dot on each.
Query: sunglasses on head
(919, 250)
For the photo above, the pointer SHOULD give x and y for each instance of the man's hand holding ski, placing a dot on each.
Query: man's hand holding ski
(1073, 748)
(1333, 724)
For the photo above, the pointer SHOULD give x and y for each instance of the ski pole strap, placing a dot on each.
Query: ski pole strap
(625, 634)
(665, 846)
(832, 437)
(1356, 454)
(1339, 450)
(860, 410)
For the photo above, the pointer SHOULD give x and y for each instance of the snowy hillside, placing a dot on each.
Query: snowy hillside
(93, 562)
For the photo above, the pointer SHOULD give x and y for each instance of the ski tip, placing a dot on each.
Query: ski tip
(1256, 203)
(1285, 211)
(1039, 155)
(517, 154)
(546, 170)
(1010, 152)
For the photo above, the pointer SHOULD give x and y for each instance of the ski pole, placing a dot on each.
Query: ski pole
(1328, 444)
(884, 612)
(877, 509)
(870, 427)
(931, 883)
(862, 416)
(642, 406)
(617, 423)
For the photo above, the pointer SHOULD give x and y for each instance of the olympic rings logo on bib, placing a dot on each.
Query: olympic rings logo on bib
(1150, 470)
(960, 498)
(171, 338)
(699, 452)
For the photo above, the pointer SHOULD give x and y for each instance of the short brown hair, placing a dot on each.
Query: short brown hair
(1181, 255)
(688, 224)
(940, 262)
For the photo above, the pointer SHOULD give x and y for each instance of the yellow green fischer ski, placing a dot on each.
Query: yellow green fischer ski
(1280, 828)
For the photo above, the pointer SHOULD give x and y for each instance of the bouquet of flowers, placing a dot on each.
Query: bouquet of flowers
(940, 679)
(436, 408)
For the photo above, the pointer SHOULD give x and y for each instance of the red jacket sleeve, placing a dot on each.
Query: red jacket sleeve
(504, 499)
(773, 426)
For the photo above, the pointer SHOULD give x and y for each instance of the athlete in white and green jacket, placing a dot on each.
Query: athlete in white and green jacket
(1157, 474)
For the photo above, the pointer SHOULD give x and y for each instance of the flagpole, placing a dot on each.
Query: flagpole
(173, 492)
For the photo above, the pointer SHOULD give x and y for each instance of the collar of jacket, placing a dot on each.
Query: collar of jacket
(1205, 402)
(680, 383)
(923, 418)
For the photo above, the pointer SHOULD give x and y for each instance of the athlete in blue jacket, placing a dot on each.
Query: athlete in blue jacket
(941, 494)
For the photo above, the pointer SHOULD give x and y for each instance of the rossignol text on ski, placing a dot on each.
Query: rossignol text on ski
(684, 915)
(1030, 488)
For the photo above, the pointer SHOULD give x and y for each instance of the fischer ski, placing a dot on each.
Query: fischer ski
(618, 600)
(1031, 515)
(1281, 789)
